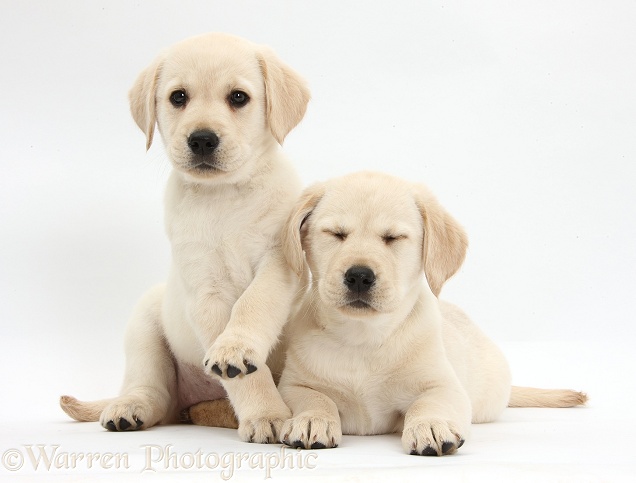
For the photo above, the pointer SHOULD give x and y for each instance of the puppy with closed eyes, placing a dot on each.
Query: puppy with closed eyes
(371, 349)
(223, 106)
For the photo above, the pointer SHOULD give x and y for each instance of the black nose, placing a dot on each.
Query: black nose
(203, 142)
(359, 278)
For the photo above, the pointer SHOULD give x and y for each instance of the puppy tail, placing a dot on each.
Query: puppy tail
(83, 411)
(530, 397)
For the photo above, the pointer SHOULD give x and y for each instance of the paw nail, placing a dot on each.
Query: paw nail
(184, 416)
(110, 425)
(318, 445)
(232, 371)
(250, 368)
(461, 443)
(206, 363)
(138, 422)
(298, 444)
(124, 424)
(217, 370)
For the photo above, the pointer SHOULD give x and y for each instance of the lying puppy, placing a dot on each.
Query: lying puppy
(371, 349)
(222, 105)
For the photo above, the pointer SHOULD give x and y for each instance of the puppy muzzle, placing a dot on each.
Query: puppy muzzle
(359, 280)
(203, 144)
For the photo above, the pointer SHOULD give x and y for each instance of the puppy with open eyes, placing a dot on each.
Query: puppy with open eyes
(223, 106)
(371, 349)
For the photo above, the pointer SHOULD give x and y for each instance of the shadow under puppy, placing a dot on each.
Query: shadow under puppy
(371, 349)
(223, 106)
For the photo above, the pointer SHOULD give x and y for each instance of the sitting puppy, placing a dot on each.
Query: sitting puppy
(222, 105)
(371, 349)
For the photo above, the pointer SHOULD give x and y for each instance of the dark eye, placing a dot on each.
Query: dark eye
(178, 98)
(238, 98)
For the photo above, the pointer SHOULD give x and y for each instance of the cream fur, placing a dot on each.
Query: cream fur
(229, 290)
(406, 362)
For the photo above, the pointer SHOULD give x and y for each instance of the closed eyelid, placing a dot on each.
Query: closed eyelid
(394, 235)
(337, 232)
(390, 237)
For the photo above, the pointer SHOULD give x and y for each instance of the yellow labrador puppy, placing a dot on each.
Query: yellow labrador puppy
(223, 106)
(371, 348)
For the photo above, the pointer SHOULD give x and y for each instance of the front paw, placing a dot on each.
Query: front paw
(230, 357)
(262, 430)
(434, 437)
(311, 430)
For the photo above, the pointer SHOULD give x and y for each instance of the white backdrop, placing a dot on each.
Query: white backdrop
(521, 116)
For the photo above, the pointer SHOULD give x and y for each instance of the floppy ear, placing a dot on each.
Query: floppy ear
(142, 100)
(286, 94)
(291, 240)
(445, 241)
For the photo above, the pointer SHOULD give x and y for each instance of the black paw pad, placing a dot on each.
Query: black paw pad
(217, 370)
(110, 426)
(318, 445)
(250, 368)
(448, 447)
(124, 424)
(429, 451)
(232, 371)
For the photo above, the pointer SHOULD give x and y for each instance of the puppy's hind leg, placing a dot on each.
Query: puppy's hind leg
(148, 395)
(218, 413)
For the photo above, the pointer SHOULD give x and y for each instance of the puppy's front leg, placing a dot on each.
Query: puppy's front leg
(259, 407)
(315, 423)
(238, 355)
(438, 421)
(256, 320)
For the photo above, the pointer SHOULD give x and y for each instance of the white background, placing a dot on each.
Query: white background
(521, 117)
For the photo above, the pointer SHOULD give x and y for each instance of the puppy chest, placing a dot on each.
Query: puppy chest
(217, 251)
(365, 401)
(221, 216)
(367, 410)
(221, 231)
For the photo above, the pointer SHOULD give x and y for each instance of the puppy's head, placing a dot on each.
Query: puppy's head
(368, 238)
(220, 102)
